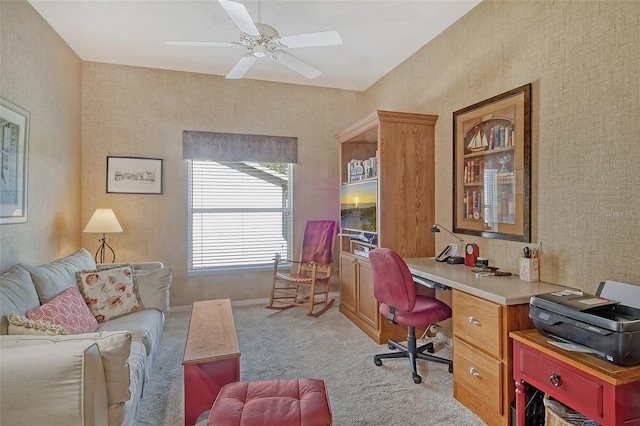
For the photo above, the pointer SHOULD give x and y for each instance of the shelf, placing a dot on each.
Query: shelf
(500, 181)
(359, 181)
(489, 152)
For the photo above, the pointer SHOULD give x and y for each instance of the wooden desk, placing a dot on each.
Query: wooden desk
(211, 356)
(501, 290)
(485, 310)
(606, 393)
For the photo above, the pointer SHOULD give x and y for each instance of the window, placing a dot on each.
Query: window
(239, 215)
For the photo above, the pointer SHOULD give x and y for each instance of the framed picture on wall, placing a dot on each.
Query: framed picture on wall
(14, 164)
(492, 167)
(134, 175)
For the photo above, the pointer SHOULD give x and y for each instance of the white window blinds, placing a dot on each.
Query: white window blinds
(239, 214)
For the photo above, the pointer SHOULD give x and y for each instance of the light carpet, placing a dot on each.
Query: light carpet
(287, 345)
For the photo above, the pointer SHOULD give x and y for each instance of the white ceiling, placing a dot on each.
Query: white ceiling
(378, 35)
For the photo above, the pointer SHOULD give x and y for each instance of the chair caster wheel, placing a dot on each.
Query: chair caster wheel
(391, 347)
(377, 361)
(417, 379)
(451, 368)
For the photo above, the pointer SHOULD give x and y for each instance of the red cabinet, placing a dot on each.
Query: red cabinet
(606, 393)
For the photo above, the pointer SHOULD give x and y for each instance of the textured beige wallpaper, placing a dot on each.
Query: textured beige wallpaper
(581, 57)
(142, 112)
(583, 60)
(39, 73)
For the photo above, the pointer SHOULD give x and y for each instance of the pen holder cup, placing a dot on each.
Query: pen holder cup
(529, 269)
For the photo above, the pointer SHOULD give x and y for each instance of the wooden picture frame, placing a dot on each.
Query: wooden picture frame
(134, 175)
(492, 167)
(14, 162)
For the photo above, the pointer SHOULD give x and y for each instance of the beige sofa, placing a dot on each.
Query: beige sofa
(95, 378)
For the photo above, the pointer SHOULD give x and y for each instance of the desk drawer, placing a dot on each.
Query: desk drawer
(577, 391)
(478, 322)
(479, 374)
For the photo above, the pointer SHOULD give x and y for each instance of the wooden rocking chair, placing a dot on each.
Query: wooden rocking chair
(309, 280)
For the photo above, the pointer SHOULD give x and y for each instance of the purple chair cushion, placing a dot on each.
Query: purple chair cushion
(427, 311)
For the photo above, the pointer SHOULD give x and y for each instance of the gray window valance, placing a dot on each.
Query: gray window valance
(217, 146)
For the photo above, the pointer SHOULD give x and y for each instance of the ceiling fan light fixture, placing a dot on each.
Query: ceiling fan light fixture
(259, 51)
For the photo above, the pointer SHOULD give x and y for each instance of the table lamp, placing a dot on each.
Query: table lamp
(102, 222)
(452, 258)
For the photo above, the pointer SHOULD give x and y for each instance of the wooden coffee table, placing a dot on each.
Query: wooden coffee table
(211, 356)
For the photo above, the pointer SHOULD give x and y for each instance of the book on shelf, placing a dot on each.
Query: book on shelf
(361, 250)
(356, 170)
(362, 169)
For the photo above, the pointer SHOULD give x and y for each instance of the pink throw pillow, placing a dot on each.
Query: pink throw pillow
(69, 310)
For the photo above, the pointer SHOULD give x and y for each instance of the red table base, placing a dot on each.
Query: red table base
(202, 383)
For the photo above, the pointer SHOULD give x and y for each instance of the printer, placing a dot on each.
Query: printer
(598, 324)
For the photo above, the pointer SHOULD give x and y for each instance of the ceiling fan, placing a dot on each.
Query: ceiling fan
(262, 40)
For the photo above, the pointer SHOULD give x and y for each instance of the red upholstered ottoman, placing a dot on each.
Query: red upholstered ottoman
(296, 402)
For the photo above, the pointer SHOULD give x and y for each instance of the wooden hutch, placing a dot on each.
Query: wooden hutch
(395, 151)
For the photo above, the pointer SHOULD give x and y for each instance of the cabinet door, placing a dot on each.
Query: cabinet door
(367, 303)
(348, 282)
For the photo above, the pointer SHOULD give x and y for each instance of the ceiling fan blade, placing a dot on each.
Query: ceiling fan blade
(297, 65)
(240, 16)
(322, 38)
(201, 43)
(241, 68)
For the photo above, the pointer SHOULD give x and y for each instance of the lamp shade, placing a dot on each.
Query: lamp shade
(103, 221)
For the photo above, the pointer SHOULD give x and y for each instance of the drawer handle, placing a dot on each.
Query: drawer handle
(472, 320)
(555, 380)
(474, 372)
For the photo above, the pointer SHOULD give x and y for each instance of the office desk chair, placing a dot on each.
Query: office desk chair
(394, 288)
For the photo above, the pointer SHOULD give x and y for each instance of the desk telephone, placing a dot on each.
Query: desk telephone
(449, 251)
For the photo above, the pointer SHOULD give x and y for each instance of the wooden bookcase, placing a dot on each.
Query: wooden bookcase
(404, 146)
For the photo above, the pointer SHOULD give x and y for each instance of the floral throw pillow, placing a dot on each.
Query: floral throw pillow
(67, 309)
(110, 293)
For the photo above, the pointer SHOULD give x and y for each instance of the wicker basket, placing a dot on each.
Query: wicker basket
(553, 419)
(558, 414)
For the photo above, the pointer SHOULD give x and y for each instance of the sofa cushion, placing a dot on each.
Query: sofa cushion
(68, 310)
(110, 293)
(154, 287)
(114, 348)
(21, 325)
(17, 294)
(64, 387)
(123, 413)
(145, 326)
(55, 277)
